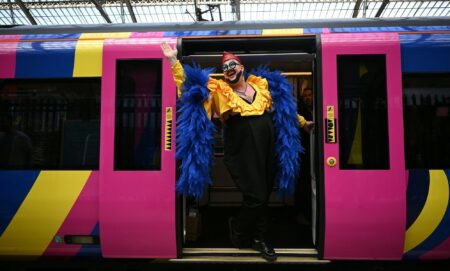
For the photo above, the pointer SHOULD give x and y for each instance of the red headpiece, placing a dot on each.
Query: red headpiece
(227, 56)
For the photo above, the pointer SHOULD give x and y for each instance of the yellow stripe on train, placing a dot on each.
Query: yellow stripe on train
(42, 212)
(88, 58)
(89, 53)
(112, 35)
(283, 32)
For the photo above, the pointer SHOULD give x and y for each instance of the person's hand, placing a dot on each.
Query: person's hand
(169, 52)
(309, 126)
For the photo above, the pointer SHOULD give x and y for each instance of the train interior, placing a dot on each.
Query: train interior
(292, 218)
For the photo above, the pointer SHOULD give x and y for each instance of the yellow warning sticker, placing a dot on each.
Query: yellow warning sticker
(330, 112)
(330, 125)
(168, 142)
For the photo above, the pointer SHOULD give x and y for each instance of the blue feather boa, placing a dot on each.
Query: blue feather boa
(285, 121)
(195, 134)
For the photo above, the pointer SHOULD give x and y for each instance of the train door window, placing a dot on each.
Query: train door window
(138, 115)
(426, 111)
(50, 123)
(363, 125)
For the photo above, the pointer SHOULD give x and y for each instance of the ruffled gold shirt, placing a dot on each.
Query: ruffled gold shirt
(224, 101)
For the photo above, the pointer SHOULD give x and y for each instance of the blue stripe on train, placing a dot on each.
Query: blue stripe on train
(389, 29)
(50, 59)
(439, 235)
(190, 33)
(312, 30)
(239, 32)
(425, 52)
(50, 36)
(418, 186)
(224, 32)
(14, 187)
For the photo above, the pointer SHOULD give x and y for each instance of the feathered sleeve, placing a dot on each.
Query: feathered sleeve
(195, 134)
(179, 78)
(285, 121)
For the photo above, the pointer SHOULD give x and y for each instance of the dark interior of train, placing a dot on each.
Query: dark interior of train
(205, 222)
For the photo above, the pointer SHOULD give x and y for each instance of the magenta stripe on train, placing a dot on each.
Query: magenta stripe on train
(8, 56)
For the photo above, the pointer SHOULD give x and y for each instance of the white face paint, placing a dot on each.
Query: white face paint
(232, 71)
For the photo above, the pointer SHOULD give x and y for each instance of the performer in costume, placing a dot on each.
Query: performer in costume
(245, 107)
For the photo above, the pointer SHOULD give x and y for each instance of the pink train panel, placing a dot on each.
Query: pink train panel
(365, 209)
(137, 208)
(8, 47)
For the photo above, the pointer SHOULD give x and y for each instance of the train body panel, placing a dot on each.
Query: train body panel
(142, 196)
(82, 220)
(426, 56)
(124, 210)
(43, 209)
(369, 194)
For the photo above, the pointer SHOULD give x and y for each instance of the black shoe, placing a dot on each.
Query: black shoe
(235, 237)
(267, 252)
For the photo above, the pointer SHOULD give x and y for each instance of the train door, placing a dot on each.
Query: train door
(364, 167)
(137, 156)
(205, 228)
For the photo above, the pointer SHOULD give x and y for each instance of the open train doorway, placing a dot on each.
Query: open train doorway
(204, 229)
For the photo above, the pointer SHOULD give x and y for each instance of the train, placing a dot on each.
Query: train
(88, 127)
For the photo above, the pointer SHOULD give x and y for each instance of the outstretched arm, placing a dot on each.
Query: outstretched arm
(170, 52)
(178, 73)
(177, 69)
(305, 124)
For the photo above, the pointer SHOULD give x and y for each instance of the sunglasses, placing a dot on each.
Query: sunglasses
(229, 66)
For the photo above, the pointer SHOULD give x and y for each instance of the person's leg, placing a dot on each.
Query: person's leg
(248, 148)
(266, 145)
(247, 218)
(243, 163)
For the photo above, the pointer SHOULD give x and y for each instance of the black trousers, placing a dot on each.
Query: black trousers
(250, 159)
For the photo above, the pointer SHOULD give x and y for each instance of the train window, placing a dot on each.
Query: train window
(138, 115)
(426, 112)
(49, 123)
(363, 125)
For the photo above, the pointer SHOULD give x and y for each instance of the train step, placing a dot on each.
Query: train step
(232, 255)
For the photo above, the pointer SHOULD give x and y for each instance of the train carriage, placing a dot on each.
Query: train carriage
(88, 127)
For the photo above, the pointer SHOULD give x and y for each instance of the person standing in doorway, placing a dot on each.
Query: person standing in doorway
(245, 106)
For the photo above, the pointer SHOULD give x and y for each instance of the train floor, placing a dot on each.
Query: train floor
(284, 229)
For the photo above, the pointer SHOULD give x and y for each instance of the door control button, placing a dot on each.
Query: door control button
(331, 161)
